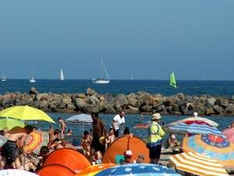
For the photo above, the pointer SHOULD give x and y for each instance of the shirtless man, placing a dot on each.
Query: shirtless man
(62, 127)
(10, 150)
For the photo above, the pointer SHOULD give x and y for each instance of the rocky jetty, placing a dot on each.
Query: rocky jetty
(134, 103)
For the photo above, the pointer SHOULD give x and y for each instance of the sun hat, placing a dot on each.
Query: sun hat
(156, 116)
(128, 153)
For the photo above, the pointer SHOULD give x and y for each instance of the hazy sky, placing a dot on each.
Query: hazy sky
(145, 39)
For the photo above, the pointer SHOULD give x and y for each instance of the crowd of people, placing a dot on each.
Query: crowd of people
(94, 142)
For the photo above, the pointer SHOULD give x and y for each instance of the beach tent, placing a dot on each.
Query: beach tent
(69, 158)
(55, 170)
(120, 145)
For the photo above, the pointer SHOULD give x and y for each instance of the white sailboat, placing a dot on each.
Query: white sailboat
(32, 80)
(61, 75)
(102, 79)
(3, 78)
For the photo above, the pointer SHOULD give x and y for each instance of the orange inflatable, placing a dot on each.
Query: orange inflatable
(55, 170)
(69, 158)
(120, 145)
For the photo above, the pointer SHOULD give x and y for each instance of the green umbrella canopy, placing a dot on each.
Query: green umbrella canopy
(10, 123)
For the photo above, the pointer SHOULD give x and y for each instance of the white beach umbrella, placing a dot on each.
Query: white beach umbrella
(16, 172)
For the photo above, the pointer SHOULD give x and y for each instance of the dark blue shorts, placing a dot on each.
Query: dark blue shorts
(155, 152)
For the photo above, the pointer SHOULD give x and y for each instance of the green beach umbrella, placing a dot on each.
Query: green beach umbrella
(10, 123)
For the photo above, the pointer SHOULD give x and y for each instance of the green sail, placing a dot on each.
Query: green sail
(173, 80)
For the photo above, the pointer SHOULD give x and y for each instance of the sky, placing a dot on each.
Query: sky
(143, 39)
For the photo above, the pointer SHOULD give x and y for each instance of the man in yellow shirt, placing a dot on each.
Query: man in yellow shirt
(154, 139)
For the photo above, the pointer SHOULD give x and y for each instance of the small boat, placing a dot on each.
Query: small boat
(173, 80)
(61, 75)
(3, 78)
(32, 80)
(102, 79)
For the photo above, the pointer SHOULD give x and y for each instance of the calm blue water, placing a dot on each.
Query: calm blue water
(215, 88)
(222, 88)
(131, 121)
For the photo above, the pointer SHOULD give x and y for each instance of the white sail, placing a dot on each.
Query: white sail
(104, 79)
(61, 75)
(3, 78)
(32, 80)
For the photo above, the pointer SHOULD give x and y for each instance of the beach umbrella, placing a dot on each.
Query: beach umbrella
(196, 119)
(25, 113)
(120, 145)
(16, 172)
(192, 128)
(80, 118)
(35, 140)
(70, 158)
(229, 133)
(55, 170)
(10, 123)
(216, 147)
(140, 169)
(94, 169)
(198, 164)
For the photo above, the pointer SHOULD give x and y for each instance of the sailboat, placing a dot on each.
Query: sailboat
(173, 80)
(61, 75)
(3, 78)
(32, 80)
(102, 79)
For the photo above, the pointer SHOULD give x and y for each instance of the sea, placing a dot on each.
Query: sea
(192, 88)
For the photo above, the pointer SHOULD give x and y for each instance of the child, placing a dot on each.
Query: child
(86, 143)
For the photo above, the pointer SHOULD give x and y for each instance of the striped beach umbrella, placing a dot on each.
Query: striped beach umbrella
(35, 141)
(197, 120)
(198, 164)
(193, 128)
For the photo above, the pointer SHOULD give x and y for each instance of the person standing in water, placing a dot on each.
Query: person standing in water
(62, 127)
(118, 123)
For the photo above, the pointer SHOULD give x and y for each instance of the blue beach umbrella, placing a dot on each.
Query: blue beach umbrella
(193, 128)
(140, 169)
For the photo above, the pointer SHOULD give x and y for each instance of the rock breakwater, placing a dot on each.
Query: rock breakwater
(134, 103)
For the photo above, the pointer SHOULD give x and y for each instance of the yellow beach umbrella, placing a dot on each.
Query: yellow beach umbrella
(25, 113)
(198, 164)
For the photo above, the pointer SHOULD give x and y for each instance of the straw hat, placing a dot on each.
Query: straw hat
(156, 116)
